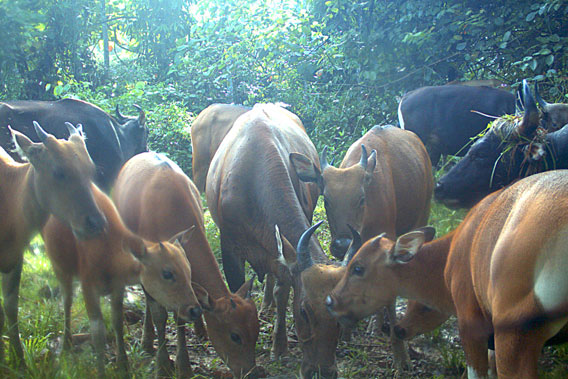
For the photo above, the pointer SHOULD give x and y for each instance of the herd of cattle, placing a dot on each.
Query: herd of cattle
(502, 272)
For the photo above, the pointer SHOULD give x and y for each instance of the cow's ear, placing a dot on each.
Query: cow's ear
(305, 168)
(205, 301)
(246, 289)
(406, 247)
(25, 147)
(184, 236)
(371, 164)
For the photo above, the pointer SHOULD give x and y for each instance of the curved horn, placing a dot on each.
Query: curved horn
(141, 115)
(354, 247)
(42, 134)
(531, 117)
(363, 161)
(303, 251)
(539, 99)
(119, 115)
(71, 129)
(323, 158)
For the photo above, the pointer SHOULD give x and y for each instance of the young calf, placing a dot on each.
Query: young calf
(57, 180)
(107, 263)
(502, 272)
(157, 200)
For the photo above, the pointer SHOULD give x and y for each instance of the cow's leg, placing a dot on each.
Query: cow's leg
(474, 343)
(401, 359)
(11, 290)
(233, 266)
(200, 329)
(280, 339)
(268, 300)
(160, 317)
(93, 306)
(148, 334)
(517, 352)
(117, 315)
(66, 282)
(183, 367)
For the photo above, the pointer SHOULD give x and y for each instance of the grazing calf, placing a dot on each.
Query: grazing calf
(57, 180)
(157, 200)
(386, 192)
(111, 261)
(502, 272)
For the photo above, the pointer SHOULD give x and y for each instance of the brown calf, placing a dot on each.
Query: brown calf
(109, 262)
(386, 192)
(56, 180)
(157, 200)
(502, 272)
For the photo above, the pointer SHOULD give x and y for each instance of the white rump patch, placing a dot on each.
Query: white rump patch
(400, 118)
(551, 279)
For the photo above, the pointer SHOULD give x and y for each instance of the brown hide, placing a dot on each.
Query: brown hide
(207, 131)
(251, 187)
(56, 181)
(106, 263)
(502, 272)
(157, 200)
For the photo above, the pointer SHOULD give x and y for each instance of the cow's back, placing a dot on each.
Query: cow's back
(251, 184)
(400, 193)
(207, 132)
(442, 115)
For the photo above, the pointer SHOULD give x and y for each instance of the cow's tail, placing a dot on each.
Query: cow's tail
(400, 117)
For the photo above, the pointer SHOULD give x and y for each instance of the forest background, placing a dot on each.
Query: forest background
(341, 65)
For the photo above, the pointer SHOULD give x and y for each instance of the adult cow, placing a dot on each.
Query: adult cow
(209, 129)
(443, 119)
(510, 150)
(386, 192)
(502, 272)
(110, 141)
(251, 187)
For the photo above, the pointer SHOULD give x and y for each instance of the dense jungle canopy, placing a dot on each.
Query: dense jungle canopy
(342, 65)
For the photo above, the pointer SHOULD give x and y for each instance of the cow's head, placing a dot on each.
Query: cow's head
(367, 283)
(232, 325)
(554, 116)
(344, 191)
(62, 178)
(317, 331)
(510, 149)
(133, 133)
(418, 319)
(166, 276)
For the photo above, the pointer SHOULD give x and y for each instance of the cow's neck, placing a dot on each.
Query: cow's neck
(422, 278)
(204, 267)
(558, 143)
(34, 214)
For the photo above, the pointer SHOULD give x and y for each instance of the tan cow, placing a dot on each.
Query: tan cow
(252, 186)
(386, 192)
(157, 200)
(57, 180)
(502, 272)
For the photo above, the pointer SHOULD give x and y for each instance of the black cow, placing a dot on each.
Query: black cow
(110, 141)
(510, 150)
(443, 119)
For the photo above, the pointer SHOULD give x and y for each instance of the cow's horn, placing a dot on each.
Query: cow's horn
(141, 115)
(119, 115)
(364, 156)
(303, 250)
(71, 129)
(531, 117)
(539, 99)
(323, 158)
(42, 134)
(353, 247)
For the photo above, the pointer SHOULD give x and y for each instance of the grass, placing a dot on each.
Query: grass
(437, 354)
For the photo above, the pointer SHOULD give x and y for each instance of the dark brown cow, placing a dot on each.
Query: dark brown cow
(502, 272)
(388, 192)
(110, 141)
(110, 261)
(251, 187)
(157, 200)
(58, 181)
(207, 131)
